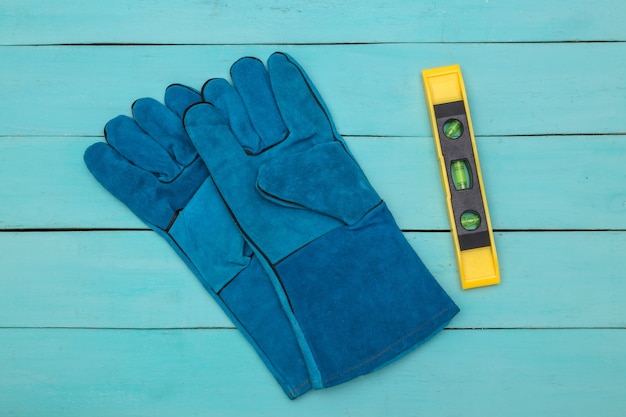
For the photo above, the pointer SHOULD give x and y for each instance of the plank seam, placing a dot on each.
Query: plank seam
(148, 329)
(150, 44)
(105, 229)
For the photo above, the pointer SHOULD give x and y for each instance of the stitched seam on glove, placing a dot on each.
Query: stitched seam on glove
(389, 347)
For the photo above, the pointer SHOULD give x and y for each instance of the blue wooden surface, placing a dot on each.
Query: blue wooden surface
(99, 317)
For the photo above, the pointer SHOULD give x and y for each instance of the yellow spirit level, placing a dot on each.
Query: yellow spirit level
(462, 180)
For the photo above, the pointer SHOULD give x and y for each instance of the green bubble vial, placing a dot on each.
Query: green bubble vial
(453, 129)
(470, 220)
(460, 173)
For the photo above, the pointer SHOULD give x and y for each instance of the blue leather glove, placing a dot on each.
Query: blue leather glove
(150, 164)
(356, 293)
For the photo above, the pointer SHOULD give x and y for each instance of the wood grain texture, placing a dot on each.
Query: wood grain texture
(307, 21)
(215, 373)
(134, 280)
(513, 89)
(45, 184)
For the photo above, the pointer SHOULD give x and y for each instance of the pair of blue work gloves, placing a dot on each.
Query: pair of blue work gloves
(256, 191)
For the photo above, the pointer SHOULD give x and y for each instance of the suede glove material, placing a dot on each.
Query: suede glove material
(150, 164)
(357, 294)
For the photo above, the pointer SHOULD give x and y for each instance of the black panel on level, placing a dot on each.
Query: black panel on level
(456, 146)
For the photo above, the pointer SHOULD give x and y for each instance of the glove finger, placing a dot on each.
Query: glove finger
(299, 102)
(179, 97)
(225, 98)
(132, 142)
(132, 185)
(252, 82)
(215, 142)
(166, 128)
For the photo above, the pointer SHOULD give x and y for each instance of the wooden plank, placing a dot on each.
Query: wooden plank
(306, 21)
(106, 279)
(549, 280)
(370, 89)
(134, 280)
(513, 373)
(561, 182)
